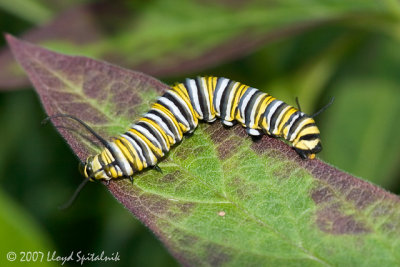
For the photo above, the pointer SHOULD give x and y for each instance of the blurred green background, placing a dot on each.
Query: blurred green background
(313, 50)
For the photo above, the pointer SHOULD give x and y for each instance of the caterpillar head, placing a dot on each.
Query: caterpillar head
(308, 142)
(86, 169)
(93, 170)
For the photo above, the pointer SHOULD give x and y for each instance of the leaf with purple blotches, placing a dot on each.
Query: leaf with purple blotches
(222, 199)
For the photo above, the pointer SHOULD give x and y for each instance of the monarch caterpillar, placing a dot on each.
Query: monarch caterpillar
(179, 110)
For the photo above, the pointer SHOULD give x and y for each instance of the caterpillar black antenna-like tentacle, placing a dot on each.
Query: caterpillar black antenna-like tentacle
(323, 108)
(298, 104)
(101, 139)
(75, 195)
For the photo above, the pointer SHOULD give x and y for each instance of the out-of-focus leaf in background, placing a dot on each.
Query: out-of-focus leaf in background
(177, 37)
(309, 80)
(19, 233)
(221, 199)
(38, 13)
(365, 117)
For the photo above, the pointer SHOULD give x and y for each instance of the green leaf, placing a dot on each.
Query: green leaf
(222, 199)
(20, 233)
(38, 13)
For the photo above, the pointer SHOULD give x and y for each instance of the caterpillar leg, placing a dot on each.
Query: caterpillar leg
(254, 132)
(157, 168)
(256, 138)
(228, 123)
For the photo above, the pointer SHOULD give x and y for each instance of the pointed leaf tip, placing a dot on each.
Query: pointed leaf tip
(14, 44)
(10, 39)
